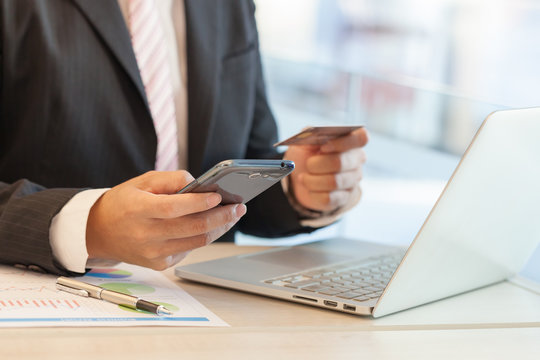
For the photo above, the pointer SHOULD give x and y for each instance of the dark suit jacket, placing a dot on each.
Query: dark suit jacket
(74, 113)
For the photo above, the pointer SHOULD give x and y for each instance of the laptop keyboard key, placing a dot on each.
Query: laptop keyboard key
(352, 287)
(362, 292)
(372, 288)
(299, 284)
(347, 295)
(340, 288)
(330, 291)
(315, 288)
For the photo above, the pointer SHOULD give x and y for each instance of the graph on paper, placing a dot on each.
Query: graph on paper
(31, 299)
(109, 273)
(25, 304)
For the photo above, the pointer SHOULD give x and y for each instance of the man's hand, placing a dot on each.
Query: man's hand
(143, 221)
(326, 177)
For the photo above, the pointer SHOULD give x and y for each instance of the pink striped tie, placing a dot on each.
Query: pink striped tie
(150, 50)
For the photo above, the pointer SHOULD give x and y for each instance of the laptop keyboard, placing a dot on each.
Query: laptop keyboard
(359, 280)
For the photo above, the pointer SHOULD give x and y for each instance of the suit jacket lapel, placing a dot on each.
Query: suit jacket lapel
(202, 62)
(203, 71)
(106, 18)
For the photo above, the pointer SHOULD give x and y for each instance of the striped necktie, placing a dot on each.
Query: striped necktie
(150, 50)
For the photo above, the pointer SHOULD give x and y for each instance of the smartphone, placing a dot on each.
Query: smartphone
(238, 181)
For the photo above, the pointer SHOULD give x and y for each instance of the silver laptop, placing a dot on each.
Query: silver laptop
(482, 230)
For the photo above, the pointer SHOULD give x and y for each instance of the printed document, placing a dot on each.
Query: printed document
(30, 299)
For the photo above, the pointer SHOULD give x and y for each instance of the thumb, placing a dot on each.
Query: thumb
(163, 182)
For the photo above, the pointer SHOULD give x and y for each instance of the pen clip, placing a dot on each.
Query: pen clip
(71, 290)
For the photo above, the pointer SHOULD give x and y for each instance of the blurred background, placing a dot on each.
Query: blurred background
(420, 74)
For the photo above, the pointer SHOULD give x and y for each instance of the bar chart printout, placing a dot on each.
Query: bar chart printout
(29, 299)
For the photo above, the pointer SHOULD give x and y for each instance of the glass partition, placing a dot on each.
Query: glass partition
(420, 74)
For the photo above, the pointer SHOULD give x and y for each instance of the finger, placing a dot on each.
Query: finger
(160, 253)
(173, 206)
(163, 182)
(337, 162)
(182, 245)
(172, 251)
(327, 201)
(161, 263)
(199, 223)
(330, 182)
(305, 149)
(355, 139)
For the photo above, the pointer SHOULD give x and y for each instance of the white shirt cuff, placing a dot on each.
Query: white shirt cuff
(67, 234)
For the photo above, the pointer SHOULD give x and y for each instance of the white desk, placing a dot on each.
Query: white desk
(265, 328)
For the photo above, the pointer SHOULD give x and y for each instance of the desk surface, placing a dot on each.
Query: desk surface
(268, 328)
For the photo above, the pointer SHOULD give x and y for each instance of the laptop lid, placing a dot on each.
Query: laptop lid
(485, 225)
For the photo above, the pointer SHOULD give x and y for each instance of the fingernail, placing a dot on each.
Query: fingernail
(240, 210)
(175, 259)
(213, 200)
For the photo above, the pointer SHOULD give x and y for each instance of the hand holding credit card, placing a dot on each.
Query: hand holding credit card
(329, 161)
(318, 135)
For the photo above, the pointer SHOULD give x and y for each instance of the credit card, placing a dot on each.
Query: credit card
(318, 135)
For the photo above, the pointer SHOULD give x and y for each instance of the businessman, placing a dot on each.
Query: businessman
(95, 94)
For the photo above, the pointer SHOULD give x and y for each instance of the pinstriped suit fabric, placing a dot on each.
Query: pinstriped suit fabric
(26, 210)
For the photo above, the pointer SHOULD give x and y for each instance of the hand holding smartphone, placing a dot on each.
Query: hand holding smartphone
(238, 181)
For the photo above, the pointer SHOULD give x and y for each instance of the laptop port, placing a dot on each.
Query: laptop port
(304, 298)
(349, 307)
(330, 303)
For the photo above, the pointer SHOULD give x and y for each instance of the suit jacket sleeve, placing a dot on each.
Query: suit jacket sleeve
(26, 211)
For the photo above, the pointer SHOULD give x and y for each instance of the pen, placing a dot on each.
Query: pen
(88, 290)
